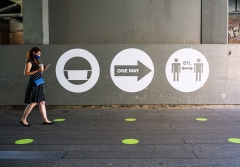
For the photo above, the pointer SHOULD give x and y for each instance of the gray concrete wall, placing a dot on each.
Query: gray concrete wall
(222, 86)
(214, 21)
(32, 22)
(125, 21)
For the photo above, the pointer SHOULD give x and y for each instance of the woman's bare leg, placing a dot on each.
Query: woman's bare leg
(42, 109)
(27, 111)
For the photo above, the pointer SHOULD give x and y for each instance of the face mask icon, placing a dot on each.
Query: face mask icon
(78, 75)
(71, 76)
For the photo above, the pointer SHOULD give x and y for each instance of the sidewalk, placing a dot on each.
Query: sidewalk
(93, 138)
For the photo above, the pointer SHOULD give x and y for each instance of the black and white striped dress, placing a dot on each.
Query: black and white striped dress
(34, 93)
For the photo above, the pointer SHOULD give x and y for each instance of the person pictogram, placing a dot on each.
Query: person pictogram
(176, 69)
(198, 69)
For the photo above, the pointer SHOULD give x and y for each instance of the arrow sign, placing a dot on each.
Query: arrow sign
(187, 68)
(139, 70)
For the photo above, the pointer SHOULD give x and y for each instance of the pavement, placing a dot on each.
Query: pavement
(93, 137)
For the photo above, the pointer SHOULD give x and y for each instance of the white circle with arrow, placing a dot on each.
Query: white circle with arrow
(187, 70)
(132, 70)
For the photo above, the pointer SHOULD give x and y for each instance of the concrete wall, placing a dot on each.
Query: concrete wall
(221, 87)
(214, 21)
(32, 22)
(148, 25)
(125, 21)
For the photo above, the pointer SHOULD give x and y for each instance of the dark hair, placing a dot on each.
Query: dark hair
(30, 54)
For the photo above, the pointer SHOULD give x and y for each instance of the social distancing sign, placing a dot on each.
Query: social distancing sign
(187, 70)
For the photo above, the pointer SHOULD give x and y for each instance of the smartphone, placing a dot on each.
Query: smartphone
(46, 66)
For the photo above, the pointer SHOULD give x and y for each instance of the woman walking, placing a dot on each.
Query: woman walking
(34, 94)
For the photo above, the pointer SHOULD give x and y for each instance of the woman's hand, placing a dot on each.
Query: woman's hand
(28, 68)
(41, 69)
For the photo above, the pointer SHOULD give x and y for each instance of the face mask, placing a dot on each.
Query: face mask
(37, 57)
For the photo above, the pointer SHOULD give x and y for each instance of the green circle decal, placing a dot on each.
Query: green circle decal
(130, 141)
(201, 119)
(130, 119)
(59, 120)
(234, 140)
(24, 141)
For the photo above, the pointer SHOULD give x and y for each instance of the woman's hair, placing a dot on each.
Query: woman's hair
(30, 54)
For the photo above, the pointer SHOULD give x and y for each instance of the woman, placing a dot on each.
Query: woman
(34, 94)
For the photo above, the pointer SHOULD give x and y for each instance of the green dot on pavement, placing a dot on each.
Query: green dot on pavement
(201, 119)
(234, 140)
(130, 141)
(59, 120)
(130, 119)
(24, 141)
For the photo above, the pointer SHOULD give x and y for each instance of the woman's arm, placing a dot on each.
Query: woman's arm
(28, 67)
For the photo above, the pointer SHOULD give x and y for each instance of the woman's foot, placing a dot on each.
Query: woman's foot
(25, 124)
(47, 122)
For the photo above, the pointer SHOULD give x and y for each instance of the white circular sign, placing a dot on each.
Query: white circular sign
(77, 74)
(187, 70)
(132, 70)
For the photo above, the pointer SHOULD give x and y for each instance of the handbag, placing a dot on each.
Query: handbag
(39, 81)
